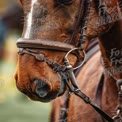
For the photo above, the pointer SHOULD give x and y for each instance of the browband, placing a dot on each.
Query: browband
(43, 44)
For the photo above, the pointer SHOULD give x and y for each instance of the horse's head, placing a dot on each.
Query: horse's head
(51, 20)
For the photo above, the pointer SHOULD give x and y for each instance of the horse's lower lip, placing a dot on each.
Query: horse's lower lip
(47, 98)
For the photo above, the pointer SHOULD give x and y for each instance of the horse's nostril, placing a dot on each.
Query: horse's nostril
(41, 88)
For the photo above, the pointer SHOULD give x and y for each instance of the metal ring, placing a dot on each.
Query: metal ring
(66, 57)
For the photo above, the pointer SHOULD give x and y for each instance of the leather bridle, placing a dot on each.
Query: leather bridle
(28, 46)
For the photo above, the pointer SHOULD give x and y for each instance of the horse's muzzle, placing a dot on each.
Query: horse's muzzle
(40, 88)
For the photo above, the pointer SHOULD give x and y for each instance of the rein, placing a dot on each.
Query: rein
(28, 46)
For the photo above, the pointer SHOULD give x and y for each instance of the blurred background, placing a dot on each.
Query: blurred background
(14, 107)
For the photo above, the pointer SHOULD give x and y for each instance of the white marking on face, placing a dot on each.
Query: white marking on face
(29, 20)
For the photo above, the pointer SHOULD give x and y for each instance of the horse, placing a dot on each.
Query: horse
(64, 28)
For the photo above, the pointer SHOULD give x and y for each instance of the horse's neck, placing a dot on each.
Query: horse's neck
(111, 50)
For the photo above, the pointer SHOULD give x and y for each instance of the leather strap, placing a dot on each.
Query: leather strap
(78, 22)
(99, 91)
(87, 100)
(43, 44)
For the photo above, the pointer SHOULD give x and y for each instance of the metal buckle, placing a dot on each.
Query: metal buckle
(67, 61)
(70, 69)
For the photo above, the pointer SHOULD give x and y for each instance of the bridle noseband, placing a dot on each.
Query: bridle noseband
(28, 46)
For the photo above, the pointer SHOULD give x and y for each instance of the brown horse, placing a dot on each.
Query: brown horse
(55, 20)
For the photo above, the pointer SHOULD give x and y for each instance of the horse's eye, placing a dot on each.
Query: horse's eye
(65, 2)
